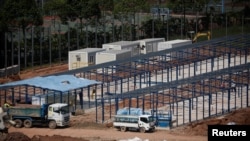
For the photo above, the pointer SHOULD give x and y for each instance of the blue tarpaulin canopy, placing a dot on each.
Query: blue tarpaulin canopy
(60, 83)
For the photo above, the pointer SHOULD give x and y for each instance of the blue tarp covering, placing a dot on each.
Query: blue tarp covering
(133, 111)
(60, 83)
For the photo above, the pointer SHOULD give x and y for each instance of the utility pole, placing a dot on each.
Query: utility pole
(184, 14)
(159, 3)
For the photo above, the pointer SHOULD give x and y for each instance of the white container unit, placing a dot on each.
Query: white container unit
(82, 57)
(149, 45)
(111, 55)
(132, 46)
(173, 44)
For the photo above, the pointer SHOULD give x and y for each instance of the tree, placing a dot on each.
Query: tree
(107, 7)
(3, 29)
(80, 9)
(72, 10)
(84, 9)
(55, 7)
(126, 7)
(21, 14)
(3, 24)
(158, 28)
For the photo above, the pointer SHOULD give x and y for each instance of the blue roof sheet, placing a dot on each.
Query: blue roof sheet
(60, 83)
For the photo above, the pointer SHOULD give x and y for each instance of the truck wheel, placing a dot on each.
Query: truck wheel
(142, 130)
(123, 129)
(52, 124)
(27, 123)
(19, 123)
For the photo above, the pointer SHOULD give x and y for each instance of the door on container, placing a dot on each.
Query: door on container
(91, 60)
(149, 48)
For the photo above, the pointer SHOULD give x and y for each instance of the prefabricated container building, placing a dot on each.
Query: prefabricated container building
(173, 44)
(83, 57)
(133, 46)
(149, 45)
(112, 55)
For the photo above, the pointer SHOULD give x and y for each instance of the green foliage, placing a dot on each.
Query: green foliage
(3, 24)
(56, 7)
(129, 6)
(106, 5)
(125, 11)
(153, 26)
(74, 9)
(21, 13)
(181, 6)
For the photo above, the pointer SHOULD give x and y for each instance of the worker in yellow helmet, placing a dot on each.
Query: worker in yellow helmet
(6, 105)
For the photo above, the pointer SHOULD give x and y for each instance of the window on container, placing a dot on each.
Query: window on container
(135, 51)
(78, 58)
(149, 48)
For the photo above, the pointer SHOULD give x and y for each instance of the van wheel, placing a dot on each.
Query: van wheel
(123, 129)
(52, 124)
(19, 123)
(27, 123)
(142, 130)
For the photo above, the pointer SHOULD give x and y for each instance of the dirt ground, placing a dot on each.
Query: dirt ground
(84, 128)
(35, 72)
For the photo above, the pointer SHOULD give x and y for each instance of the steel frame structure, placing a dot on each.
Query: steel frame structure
(185, 81)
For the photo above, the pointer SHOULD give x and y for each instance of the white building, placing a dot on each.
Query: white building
(111, 55)
(132, 46)
(83, 57)
(173, 44)
(149, 45)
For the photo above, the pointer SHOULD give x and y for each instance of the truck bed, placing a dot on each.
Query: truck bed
(25, 110)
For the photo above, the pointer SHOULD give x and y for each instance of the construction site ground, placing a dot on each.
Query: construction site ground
(84, 128)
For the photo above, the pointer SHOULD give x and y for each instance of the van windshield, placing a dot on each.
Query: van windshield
(144, 119)
(147, 119)
(150, 119)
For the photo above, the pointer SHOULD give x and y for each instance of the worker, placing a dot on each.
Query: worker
(6, 105)
(222, 86)
(233, 86)
(93, 93)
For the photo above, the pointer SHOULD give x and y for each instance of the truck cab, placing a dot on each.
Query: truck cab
(147, 122)
(58, 115)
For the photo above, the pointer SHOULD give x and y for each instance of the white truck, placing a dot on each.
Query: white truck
(142, 123)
